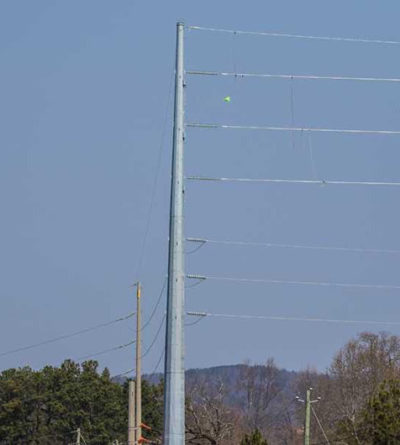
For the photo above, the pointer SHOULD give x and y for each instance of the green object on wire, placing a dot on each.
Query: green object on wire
(227, 99)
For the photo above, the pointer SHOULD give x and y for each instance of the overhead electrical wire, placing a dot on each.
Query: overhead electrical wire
(303, 129)
(294, 282)
(296, 36)
(291, 76)
(148, 321)
(155, 338)
(295, 181)
(201, 318)
(320, 425)
(155, 369)
(105, 351)
(156, 178)
(147, 350)
(281, 318)
(63, 337)
(203, 241)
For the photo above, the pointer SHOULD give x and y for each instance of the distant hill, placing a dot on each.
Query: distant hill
(230, 376)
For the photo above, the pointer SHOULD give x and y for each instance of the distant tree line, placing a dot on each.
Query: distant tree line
(252, 405)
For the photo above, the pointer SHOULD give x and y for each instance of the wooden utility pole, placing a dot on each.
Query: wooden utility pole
(138, 365)
(307, 402)
(308, 418)
(131, 414)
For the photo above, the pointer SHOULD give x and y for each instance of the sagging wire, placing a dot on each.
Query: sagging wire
(291, 76)
(203, 278)
(63, 337)
(205, 241)
(205, 125)
(295, 319)
(295, 36)
(321, 182)
(105, 351)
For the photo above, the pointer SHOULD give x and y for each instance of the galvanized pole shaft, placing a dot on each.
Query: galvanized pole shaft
(131, 413)
(138, 365)
(78, 436)
(174, 396)
(308, 418)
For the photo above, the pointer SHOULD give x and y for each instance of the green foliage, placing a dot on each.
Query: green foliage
(47, 406)
(255, 438)
(381, 417)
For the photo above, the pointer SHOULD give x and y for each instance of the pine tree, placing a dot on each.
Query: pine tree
(254, 438)
(381, 419)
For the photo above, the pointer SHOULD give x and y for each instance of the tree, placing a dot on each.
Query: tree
(255, 438)
(356, 373)
(381, 417)
(46, 407)
(260, 385)
(208, 419)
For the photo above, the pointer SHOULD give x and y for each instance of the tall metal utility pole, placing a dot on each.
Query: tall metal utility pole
(138, 364)
(174, 396)
(131, 413)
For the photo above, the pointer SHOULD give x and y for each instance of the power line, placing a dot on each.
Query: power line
(273, 128)
(158, 362)
(201, 318)
(294, 181)
(156, 305)
(320, 425)
(203, 241)
(296, 36)
(291, 76)
(124, 373)
(105, 351)
(156, 177)
(64, 337)
(297, 319)
(147, 350)
(154, 339)
(293, 282)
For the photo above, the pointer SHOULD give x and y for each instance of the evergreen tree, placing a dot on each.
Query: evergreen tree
(254, 438)
(381, 417)
(46, 407)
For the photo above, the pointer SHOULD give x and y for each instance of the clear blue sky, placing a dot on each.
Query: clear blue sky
(85, 91)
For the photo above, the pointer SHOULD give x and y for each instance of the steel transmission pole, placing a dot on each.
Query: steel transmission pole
(174, 396)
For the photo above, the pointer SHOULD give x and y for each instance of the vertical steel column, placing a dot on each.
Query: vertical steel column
(174, 397)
